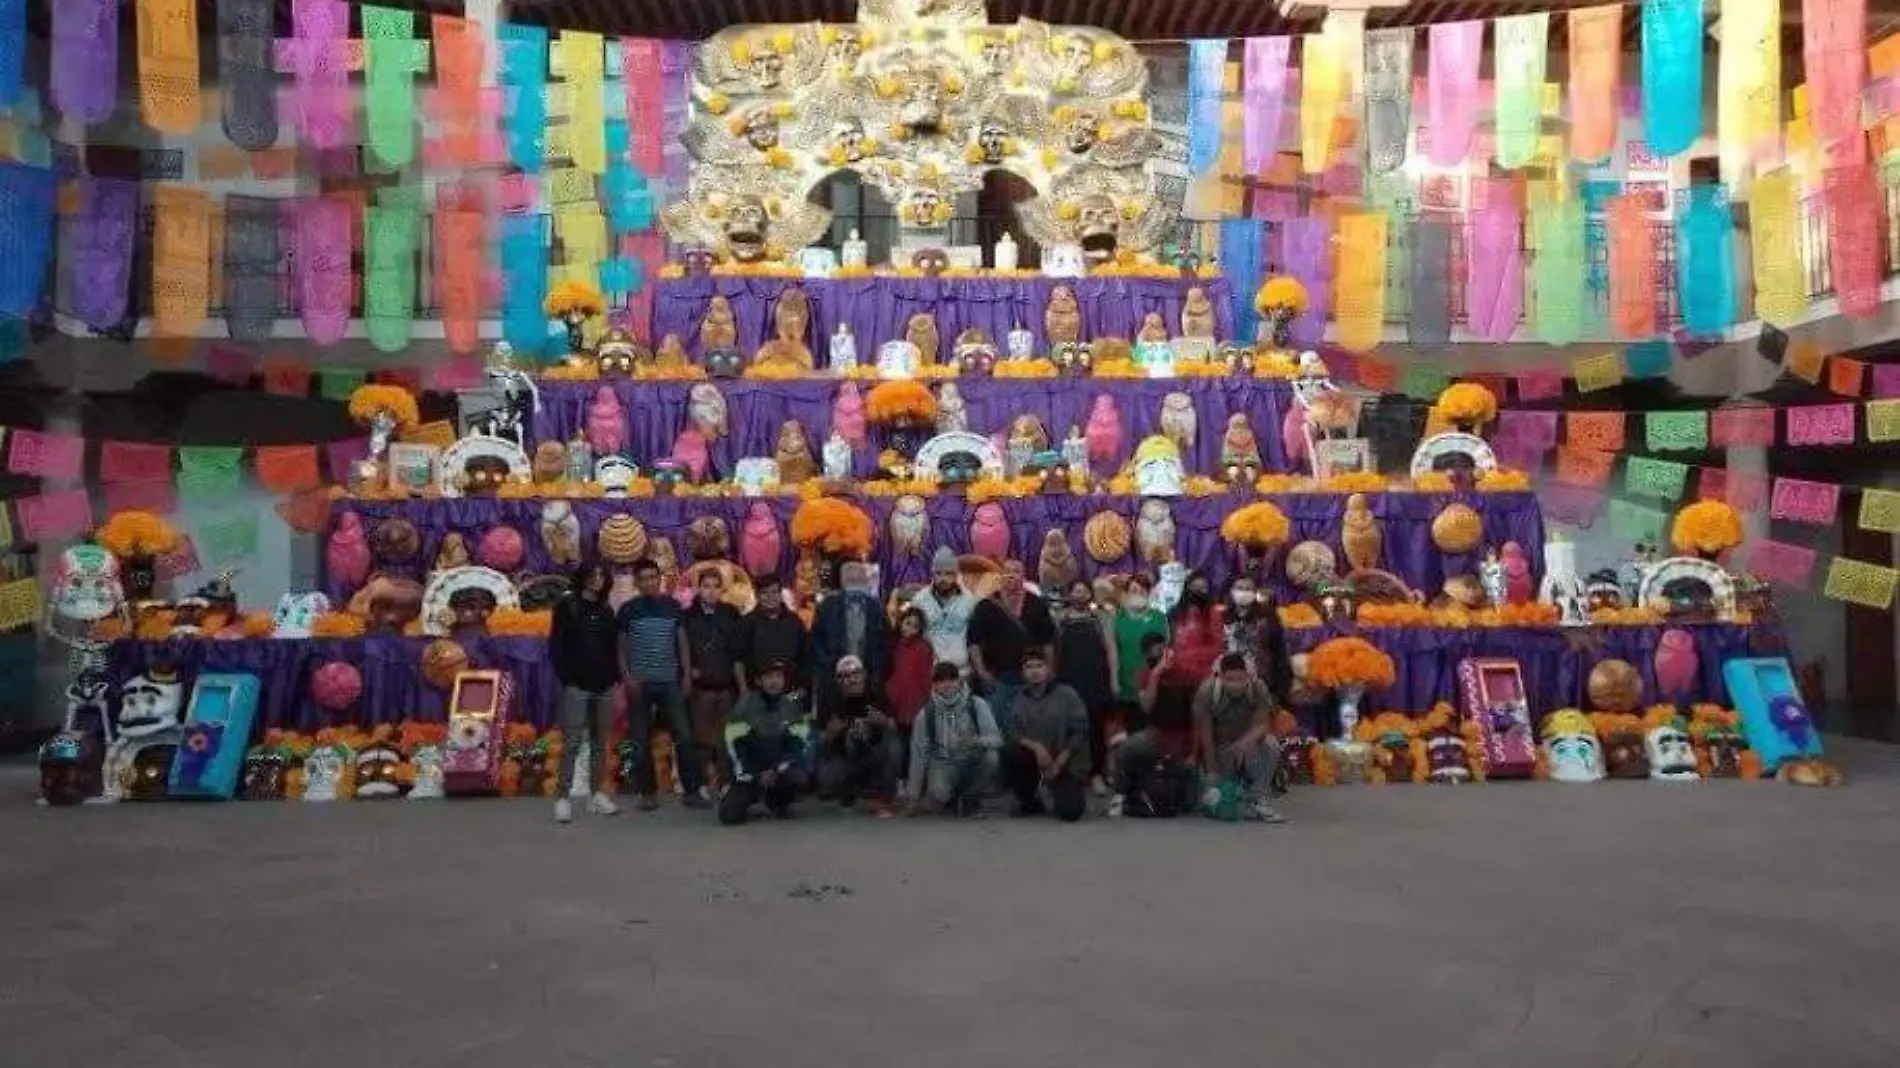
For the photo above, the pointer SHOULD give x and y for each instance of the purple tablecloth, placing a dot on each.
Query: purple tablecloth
(1556, 663)
(1407, 518)
(393, 687)
(879, 309)
(755, 410)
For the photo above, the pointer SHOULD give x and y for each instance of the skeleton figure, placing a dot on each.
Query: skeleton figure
(519, 400)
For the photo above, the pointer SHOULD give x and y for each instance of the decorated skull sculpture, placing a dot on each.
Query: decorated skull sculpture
(1571, 751)
(618, 355)
(1099, 227)
(1446, 758)
(1671, 757)
(747, 225)
(151, 703)
(724, 363)
(86, 586)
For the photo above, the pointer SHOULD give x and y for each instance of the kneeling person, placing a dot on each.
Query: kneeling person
(766, 740)
(1048, 745)
(1233, 714)
(860, 742)
(953, 745)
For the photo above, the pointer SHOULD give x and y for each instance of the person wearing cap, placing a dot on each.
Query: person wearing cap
(849, 623)
(947, 608)
(765, 741)
(1046, 750)
(953, 747)
(860, 745)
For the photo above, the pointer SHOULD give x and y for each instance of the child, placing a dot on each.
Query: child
(908, 688)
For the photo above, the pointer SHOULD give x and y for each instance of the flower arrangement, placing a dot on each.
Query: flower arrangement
(897, 487)
(573, 298)
(1341, 662)
(1661, 715)
(132, 534)
(936, 372)
(900, 401)
(1279, 296)
(1200, 369)
(1024, 369)
(1299, 616)
(338, 625)
(1706, 528)
(1531, 614)
(1258, 526)
(1354, 482)
(1706, 719)
(773, 372)
(992, 489)
(1503, 480)
(766, 269)
(1202, 486)
(1395, 614)
(832, 525)
(369, 401)
(1467, 404)
(1387, 733)
(255, 625)
(154, 626)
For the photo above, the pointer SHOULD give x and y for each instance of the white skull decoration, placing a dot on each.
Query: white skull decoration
(1671, 757)
(295, 612)
(150, 704)
(86, 585)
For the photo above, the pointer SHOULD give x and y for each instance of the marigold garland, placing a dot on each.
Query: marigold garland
(1354, 482)
(1342, 662)
(1274, 365)
(1432, 482)
(155, 626)
(1258, 526)
(132, 534)
(515, 623)
(1396, 614)
(1625, 617)
(1024, 369)
(832, 525)
(1706, 527)
(400, 404)
(1274, 483)
(573, 371)
(1201, 369)
(690, 372)
(900, 400)
(1299, 617)
(1119, 369)
(337, 625)
(1468, 403)
(773, 372)
(991, 489)
(1610, 724)
(1503, 480)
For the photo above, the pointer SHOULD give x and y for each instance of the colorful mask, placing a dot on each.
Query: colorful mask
(86, 585)
(378, 772)
(1671, 757)
(1446, 759)
(150, 703)
(1570, 748)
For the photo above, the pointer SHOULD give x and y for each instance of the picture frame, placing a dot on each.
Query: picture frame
(413, 465)
(1342, 456)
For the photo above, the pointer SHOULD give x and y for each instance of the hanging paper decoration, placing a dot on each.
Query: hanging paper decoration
(391, 60)
(1632, 268)
(1672, 74)
(1494, 267)
(168, 65)
(1834, 48)
(99, 272)
(1320, 83)
(1520, 52)
(1361, 290)
(1780, 289)
(461, 241)
(583, 66)
(1388, 97)
(181, 260)
(676, 61)
(252, 259)
(27, 198)
(1451, 90)
(1557, 271)
(1705, 272)
(12, 50)
(640, 62)
(1854, 226)
(1429, 322)
(458, 104)
(1207, 65)
(524, 73)
(524, 281)
(324, 277)
(84, 71)
(1265, 93)
(389, 274)
(1596, 59)
(245, 78)
(1748, 89)
(1306, 250)
(319, 56)
(1859, 583)
(1241, 242)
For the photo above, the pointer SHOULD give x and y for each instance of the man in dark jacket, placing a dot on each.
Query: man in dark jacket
(849, 623)
(861, 746)
(715, 674)
(1046, 745)
(773, 632)
(766, 741)
(581, 645)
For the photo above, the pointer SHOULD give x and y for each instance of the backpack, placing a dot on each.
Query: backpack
(1161, 790)
(930, 720)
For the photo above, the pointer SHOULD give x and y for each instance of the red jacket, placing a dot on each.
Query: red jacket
(909, 685)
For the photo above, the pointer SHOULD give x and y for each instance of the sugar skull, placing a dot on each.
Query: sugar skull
(378, 767)
(1624, 754)
(618, 355)
(1671, 757)
(150, 703)
(86, 585)
(1446, 758)
(483, 476)
(1571, 751)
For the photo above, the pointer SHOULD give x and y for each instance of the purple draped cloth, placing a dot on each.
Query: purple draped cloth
(757, 408)
(1407, 519)
(878, 309)
(1556, 662)
(393, 687)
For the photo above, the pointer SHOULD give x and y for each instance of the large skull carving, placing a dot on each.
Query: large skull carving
(1081, 132)
(1099, 227)
(761, 129)
(924, 208)
(998, 55)
(849, 142)
(846, 47)
(86, 584)
(993, 140)
(766, 69)
(922, 109)
(746, 226)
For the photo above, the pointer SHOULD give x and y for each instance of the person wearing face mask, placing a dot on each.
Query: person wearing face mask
(1197, 632)
(848, 623)
(765, 741)
(953, 747)
(715, 676)
(1233, 729)
(1047, 749)
(1136, 620)
(947, 608)
(1168, 735)
(1085, 662)
(1253, 631)
(1005, 626)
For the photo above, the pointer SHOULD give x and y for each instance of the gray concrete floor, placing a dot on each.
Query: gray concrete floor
(1512, 924)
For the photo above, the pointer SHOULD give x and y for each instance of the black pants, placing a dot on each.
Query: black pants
(1022, 778)
(736, 806)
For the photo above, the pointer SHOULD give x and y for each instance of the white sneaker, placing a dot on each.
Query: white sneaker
(1263, 812)
(1114, 807)
(602, 805)
(564, 811)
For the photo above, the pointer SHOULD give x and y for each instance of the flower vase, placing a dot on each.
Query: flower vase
(1350, 758)
(1349, 698)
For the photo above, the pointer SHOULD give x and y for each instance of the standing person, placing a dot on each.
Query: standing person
(653, 657)
(582, 648)
(1085, 662)
(1136, 620)
(849, 623)
(947, 608)
(1197, 630)
(860, 743)
(1003, 627)
(1048, 746)
(773, 633)
(715, 675)
(765, 741)
(908, 688)
(1254, 631)
(1233, 721)
(952, 746)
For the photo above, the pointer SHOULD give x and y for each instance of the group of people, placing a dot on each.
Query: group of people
(1043, 697)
